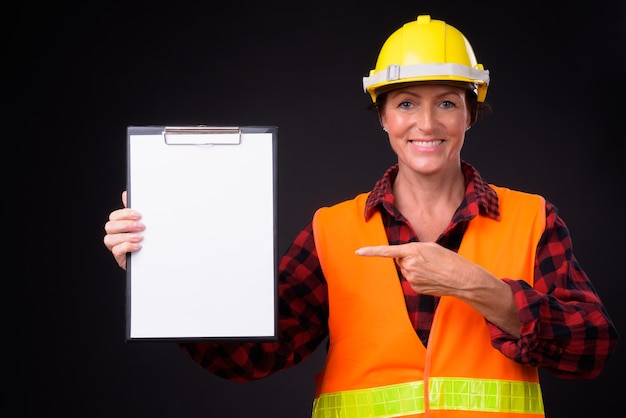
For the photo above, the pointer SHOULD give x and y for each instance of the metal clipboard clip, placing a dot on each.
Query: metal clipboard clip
(202, 135)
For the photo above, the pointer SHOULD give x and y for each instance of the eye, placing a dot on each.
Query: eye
(405, 104)
(447, 104)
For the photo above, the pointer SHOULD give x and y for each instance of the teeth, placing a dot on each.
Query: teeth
(427, 143)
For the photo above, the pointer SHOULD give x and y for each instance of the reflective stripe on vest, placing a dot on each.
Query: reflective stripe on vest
(460, 394)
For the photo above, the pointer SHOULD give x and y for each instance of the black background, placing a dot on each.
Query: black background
(78, 73)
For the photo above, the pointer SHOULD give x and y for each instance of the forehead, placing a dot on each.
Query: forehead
(452, 85)
(430, 88)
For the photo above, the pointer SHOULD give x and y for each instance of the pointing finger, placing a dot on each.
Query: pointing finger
(391, 251)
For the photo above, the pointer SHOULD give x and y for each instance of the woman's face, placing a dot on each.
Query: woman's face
(426, 124)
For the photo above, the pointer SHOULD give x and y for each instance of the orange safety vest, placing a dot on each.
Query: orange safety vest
(376, 365)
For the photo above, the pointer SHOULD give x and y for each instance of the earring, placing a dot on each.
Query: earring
(384, 129)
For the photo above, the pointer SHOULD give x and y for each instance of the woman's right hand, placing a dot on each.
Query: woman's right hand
(123, 232)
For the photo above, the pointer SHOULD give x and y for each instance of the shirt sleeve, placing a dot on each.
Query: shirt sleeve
(302, 321)
(565, 326)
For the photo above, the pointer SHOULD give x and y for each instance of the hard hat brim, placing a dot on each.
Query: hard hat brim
(396, 74)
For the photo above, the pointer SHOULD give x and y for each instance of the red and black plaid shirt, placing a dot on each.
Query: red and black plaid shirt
(565, 330)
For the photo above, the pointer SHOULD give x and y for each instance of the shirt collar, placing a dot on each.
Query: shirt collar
(480, 199)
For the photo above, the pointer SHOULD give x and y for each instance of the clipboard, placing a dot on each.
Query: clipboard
(207, 269)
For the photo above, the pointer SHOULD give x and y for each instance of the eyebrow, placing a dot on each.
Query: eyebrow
(448, 91)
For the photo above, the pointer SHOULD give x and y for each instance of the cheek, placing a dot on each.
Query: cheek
(394, 123)
(396, 137)
(463, 127)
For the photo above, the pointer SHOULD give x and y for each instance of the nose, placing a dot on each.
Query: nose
(425, 119)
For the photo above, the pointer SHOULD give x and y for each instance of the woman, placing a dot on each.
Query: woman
(441, 294)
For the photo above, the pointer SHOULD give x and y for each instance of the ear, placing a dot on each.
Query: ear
(383, 121)
(469, 120)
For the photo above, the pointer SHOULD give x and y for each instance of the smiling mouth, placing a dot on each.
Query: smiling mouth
(426, 143)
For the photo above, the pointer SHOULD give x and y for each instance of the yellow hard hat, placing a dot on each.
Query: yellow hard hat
(426, 50)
